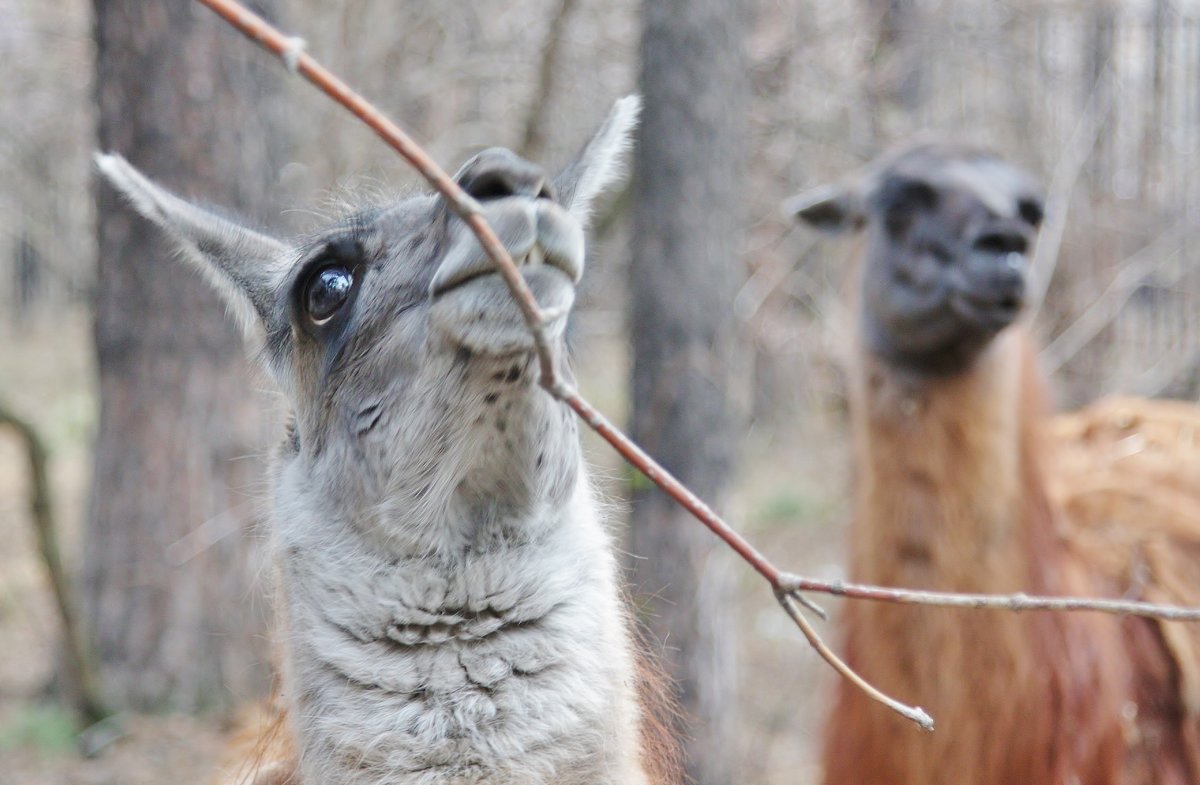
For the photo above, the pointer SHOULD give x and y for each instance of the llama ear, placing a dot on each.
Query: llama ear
(245, 267)
(601, 162)
(832, 209)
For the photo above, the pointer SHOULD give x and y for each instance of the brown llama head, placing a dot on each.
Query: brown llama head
(948, 229)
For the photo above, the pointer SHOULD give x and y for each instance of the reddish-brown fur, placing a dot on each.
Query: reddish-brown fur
(965, 484)
(661, 752)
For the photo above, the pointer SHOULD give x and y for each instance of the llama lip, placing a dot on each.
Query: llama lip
(536, 257)
(535, 233)
(987, 311)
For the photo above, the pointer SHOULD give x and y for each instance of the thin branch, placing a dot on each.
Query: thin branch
(79, 662)
(759, 287)
(1108, 305)
(914, 713)
(1181, 362)
(682, 495)
(785, 585)
(1005, 602)
(291, 51)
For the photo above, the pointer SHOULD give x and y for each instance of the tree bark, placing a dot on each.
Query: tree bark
(1100, 44)
(170, 556)
(689, 191)
(895, 78)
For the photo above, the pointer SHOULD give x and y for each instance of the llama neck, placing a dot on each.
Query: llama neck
(510, 666)
(951, 498)
(948, 490)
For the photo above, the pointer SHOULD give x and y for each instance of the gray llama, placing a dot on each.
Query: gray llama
(448, 595)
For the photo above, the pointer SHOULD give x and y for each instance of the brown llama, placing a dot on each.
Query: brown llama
(965, 484)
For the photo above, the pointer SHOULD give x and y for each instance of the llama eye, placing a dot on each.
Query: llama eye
(326, 292)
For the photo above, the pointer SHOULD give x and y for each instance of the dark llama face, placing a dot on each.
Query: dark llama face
(949, 230)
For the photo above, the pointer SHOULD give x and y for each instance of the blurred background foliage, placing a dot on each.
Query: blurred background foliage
(1047, 83)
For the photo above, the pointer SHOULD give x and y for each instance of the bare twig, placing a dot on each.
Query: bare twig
(297, 61)
(914, 713)
(787, 587)
(1104, 310)
(78, 660)
(1004, 602)
(766, 280)
(1153, 382)
(466, 207)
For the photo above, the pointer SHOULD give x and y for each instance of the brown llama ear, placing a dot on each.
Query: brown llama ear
(831, 209)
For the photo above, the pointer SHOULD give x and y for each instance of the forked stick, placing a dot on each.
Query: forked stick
(786, 586)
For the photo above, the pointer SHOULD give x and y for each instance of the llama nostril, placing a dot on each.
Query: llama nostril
(499, 173)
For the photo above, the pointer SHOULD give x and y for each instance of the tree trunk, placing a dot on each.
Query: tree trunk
(895, 78)
(171, 603)
(1100, 44)
(688, 235)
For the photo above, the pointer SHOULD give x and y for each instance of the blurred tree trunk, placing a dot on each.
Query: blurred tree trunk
(1155, 176)
(1100, 43)
(170, 548)
(690, 192)
(895, 81)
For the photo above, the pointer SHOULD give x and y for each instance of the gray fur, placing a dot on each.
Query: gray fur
(601, 162)
(448, 594)
(243, 265)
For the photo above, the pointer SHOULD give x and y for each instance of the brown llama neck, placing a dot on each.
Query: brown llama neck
(949, 494)
(951, 497)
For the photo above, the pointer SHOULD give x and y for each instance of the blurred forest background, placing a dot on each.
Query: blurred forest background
(1099, 99)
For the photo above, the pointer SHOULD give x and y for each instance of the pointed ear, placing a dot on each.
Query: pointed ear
(601, 162)
(245, 267)
(832, 209)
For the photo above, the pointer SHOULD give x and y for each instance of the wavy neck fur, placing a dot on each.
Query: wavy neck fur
(484, 642)
(950, 495)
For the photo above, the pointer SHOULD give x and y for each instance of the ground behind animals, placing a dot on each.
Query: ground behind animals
(790, 499)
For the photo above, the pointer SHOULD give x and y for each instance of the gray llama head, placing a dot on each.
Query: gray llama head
(405, 359)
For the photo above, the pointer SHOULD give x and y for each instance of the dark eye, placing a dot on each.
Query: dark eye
(1030, 211)
(327, 291)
